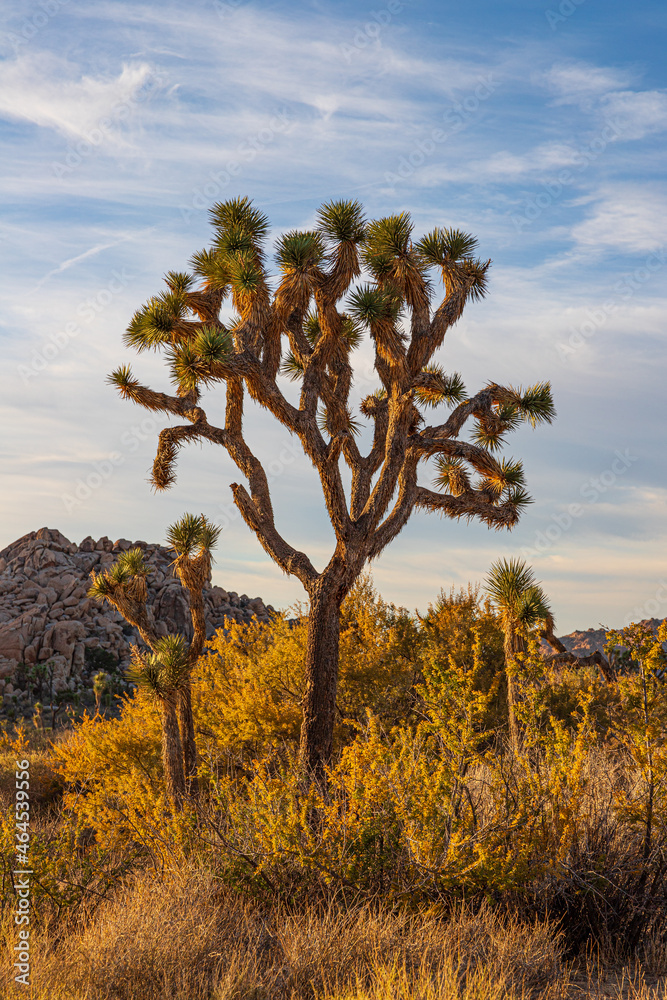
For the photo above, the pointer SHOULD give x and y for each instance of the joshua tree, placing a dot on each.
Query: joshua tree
(306, 310)
(37, 716)
(166, 669)
(100, 685)
(165, 673)
(523, 608)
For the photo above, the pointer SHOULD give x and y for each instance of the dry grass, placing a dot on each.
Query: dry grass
(182, 937)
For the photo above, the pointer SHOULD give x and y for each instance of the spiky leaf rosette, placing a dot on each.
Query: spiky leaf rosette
(517, 595)
(163, 671)
(193, 363)
(390, 256)
(193, 538)
(453, 252)
(237, 216)
(342, 221)
(125, 578)
(452, 476)
(433, 386)
(212, 267)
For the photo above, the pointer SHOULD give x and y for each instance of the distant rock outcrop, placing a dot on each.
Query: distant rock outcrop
(45, 615)
(592, 640)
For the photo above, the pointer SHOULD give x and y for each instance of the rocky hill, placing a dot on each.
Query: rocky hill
(46, 617)
(593, 639)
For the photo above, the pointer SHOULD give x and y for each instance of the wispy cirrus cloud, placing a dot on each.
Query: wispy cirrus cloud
(51, 92)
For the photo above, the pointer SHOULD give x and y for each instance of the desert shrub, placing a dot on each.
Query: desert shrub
(248, 689)
(425, 802)
(461, 638)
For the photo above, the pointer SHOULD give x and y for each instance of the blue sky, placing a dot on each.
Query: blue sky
(539, 127)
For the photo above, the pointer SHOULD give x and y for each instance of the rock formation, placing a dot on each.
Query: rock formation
(47, 618)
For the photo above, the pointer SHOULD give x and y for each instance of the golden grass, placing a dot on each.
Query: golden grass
(182, 937)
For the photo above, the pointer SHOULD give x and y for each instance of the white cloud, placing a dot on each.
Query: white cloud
(580, 83)
(50, 92)
(638, 113)
(627, 218)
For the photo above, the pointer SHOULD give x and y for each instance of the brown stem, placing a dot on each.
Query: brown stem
(172, 752)
(321, 670)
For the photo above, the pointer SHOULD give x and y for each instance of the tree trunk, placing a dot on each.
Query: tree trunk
(172, 751)
(513, 644)
(187, 728)
(321, 669)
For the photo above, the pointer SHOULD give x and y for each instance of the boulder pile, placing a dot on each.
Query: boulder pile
(46, 616)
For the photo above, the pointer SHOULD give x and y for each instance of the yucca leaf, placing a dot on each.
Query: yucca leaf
(342, 221)
(297, 250)
(291, 368)
(179, 282)
(239, 212)
(213, 344)
(213, 268)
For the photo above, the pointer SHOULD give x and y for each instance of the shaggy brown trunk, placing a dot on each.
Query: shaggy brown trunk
(187, 733)
(321, 670)
(513, 644)
(172, 752)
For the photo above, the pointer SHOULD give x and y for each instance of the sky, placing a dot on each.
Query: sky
(538, 127)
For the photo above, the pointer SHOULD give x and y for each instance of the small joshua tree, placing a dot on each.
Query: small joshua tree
(37, 716)
(165, 671)
(523, 608)
(100, 685)
(165, 674)
(322, 318)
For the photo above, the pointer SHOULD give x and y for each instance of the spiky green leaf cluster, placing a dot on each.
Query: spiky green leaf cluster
(326, 423)
(512, 587)
(133, 563)
(239, 214)
(452, 476)
(291, 367)
(153, 324)
(163, 671)
(210, 265)
(438, 387)
(122, 378)
(193, 534)
(535, 404)
(371, 305)
(443, 246)
(179, 282)
(190, 363)
(299, 250)
(342, 221)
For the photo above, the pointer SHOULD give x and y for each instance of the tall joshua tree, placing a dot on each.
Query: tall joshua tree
(523, 608)
(166, 669)
(306, 329)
